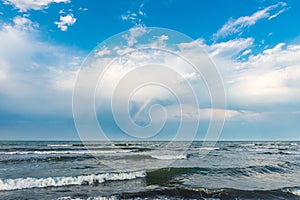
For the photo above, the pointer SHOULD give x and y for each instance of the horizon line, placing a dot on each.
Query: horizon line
(222, 140)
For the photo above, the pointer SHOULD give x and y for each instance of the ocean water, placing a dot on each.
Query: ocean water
(149, 170)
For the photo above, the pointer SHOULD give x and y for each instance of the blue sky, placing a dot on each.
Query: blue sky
(254, 44)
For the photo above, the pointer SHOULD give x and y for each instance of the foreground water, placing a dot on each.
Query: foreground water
(149, 170)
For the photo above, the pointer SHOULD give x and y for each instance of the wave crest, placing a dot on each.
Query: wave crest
(22, 183)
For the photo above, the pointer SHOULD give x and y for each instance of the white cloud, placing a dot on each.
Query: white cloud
(25, 5)
(163, 38)
(24, 23)
(190, 113)
(135, 17)
(103, 52)
(272, 76)
(62, 11)
(276, 14)
(65, 21)
(253, 84)
(246, 52)
(234, 26)
(229, 48)
(267, 78)
(83, 9)
(134, 33)
(63, 79)
(34, 73)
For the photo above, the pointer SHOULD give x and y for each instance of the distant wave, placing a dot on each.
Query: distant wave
(59, 145)
(169, 157)
(209, 148)
(66, 152)
(280, 153)
(22, 183)
(48, 158)
(89, 198)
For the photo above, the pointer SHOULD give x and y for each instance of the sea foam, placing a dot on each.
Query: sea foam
(66, 152)
(294, 191)
(59, 145)
(170, 157)
(22, 183)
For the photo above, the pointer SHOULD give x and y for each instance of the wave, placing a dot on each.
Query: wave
(294, 191)
(50, 158)
(163, 176)
(66, 152)
(280, 153)
(209, 148)
(197, 193)
(22, 183)
(137, 149)
(59, 145)
(169, 157)
(203, 193)
(89, 198)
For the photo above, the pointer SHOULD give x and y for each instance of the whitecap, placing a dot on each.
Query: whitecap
(29, 182)
(209, 148)
(90, 198)
(66, 152)
(293, 191)
(59, 145)
(170, 157)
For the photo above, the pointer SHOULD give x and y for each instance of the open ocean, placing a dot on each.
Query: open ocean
(149, 170)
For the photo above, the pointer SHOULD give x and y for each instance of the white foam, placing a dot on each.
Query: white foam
(22, 183)
(208, 148)
(170, 157)
(66, 152)
(59, 145)
(90, 198)
(294, 191)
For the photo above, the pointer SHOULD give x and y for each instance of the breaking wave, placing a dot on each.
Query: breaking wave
(22, 183)
(169, 157)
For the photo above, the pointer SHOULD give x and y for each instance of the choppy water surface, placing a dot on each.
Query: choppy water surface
(149, 170)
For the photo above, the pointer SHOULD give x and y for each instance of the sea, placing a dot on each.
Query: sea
(68, 170)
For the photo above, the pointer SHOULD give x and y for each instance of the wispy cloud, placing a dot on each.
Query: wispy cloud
(65, 22)
(237, 26)
(278, 13)
(135, 16)
(25, 5)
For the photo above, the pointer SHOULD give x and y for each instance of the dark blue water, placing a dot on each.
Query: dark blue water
(149, 170)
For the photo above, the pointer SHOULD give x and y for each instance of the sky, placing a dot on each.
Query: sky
(254, 45)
